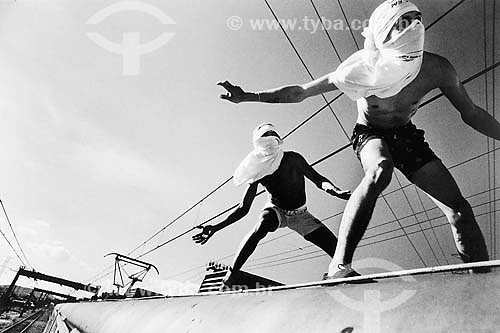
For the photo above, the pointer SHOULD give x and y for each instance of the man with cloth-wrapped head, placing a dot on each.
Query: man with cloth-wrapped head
(388, 78)
(282, 175)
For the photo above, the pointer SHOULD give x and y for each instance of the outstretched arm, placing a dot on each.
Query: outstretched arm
(471, 114)
(238, 213)
(286, 94)
(319, 180)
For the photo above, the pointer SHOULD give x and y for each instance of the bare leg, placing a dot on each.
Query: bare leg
(378, 166)
(324, 239)
(437, 182)
(268, 223)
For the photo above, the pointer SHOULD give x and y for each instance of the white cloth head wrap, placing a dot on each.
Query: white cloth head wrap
(383, 68)
(263, 160)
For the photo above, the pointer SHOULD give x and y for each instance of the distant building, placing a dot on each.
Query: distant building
(241, 280)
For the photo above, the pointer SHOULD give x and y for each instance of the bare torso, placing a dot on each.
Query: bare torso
(396, 111)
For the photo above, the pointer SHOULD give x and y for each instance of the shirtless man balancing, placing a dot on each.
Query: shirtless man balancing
(388, 79)
(282, 175)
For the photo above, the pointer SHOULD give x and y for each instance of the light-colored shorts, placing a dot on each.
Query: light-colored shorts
(299, 220)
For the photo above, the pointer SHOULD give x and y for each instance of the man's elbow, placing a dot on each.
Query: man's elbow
(300, 94)
(470, 117)
(243, 210)
(294, 94)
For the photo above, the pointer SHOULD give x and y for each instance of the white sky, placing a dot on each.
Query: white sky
(96, 162)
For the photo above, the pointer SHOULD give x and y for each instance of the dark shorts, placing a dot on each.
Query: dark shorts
(407, 146)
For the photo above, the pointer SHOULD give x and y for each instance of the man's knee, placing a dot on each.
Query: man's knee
(268, 222)
(379, 175)
(459, 210)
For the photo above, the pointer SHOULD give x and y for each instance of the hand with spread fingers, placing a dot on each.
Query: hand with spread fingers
(205, 234)
(234, 93)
